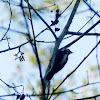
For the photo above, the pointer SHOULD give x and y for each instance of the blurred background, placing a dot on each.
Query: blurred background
(26, 72)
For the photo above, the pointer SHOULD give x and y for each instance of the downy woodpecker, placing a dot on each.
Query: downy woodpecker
(58, 62)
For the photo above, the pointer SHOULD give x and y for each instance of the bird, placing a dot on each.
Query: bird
(58, 62)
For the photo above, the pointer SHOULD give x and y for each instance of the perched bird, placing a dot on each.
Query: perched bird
(59, 62)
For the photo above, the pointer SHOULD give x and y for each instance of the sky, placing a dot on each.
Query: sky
(80, 49)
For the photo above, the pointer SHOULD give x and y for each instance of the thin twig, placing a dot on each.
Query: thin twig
(16, 31)
(66, 7)
(59, 16)
(80, 33)
(97, 57)
(42, 20)
(15, 47)
(9, 22)
(36, 52)
(74, 41)
(61, 92)
(91, 8)
(88, 98)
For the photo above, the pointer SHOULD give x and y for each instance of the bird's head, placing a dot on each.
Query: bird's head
(67, 51)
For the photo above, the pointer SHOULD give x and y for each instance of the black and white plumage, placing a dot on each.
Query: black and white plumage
(59, 62)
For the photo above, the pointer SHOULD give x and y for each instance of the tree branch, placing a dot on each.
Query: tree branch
(91, 8)
(37, 56)
(9, 22)
(88, 98)
(15, 47)
(74, 41)
(87, 34)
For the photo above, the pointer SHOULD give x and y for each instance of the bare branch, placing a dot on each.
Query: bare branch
(87, 34)
(36, 51)
(74, 41)
(14, 47)
(9, 22)
(12, 30)
(91, 8)
(88, 98)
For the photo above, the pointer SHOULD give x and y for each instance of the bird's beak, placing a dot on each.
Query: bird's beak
(71, 52)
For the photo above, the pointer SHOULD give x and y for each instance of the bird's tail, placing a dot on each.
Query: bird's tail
(49, 75)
